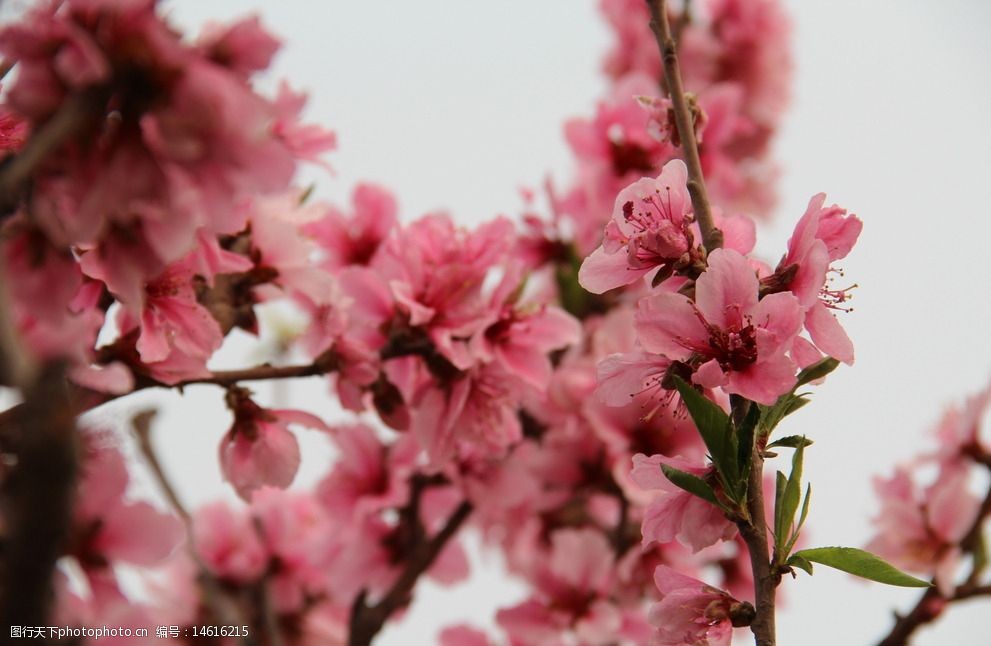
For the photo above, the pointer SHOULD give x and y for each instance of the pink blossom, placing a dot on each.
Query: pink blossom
(109, 528)
(477, 411)
(361, 560)
(960, 431)
(649, 229)
(259, 449)
(228, 542)
(754, 39)
(675, 513)
(623, 376)
(463, 636)
(174, 330)
(436, 273)
(690, 613)
(325, 624)
(102, 600)
(355, 239)
(617, 141)
(299, 537)
(519, 337)
(822, 235)
(306, 141)
(505, 490)
(739, 342)
(634, 47)
(13, 131)
(369, 475)
(282, 250)
(920, 529)
(244, 47)
(54, 308)
(572, 587)
(133, 199)
(437, 505)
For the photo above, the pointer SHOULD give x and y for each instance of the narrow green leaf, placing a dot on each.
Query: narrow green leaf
(805, 506)
(690, 483)
(801, 520)
(715, 428)
(788, 403)
(771, 416)
(792, 495)
(745, 447)
(817, 370)
(793, 404)
(780, 537)
(800, 562)
(862, 564)
(791, 441)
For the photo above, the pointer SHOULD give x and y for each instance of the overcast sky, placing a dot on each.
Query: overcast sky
(457, 104)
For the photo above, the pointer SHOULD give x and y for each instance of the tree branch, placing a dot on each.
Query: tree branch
(712, 237)
(367, 620)
(324, 364)
(37, 499)
(754, 533)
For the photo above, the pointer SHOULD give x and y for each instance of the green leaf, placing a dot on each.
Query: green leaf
(801, 520)
(805, 507)
(745, 447)
(716, 430)
(780, 482)
(793, 404)
(860, 563)
(800, 562)
(790, 402)
(787, 503)
(791, 441)
(771, 416)
(690, 483)
(817, 370)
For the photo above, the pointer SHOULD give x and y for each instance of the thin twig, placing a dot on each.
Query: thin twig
(712, 237)
(270, 620)
(16, 366)
(367, 620)
(224, 609)
(320, 366)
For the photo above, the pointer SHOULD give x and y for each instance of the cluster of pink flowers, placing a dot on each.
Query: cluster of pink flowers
(740, 330)
(736, 61)
(523, 380)
(109, 531)
(932, 528)
(149, 186)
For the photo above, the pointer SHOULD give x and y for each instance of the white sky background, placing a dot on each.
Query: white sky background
(456, 104)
